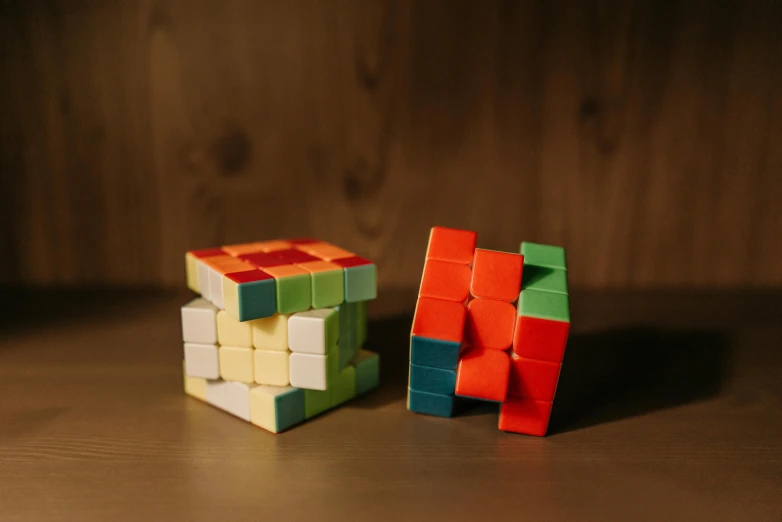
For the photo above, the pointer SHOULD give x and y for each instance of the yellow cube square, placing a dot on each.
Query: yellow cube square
(271, 333)
(236, 364)
(271, 367)
(231, 332)
(195, 386)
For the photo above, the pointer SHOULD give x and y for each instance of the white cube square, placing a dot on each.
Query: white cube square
(203, 279)
(216, 288)
(313, 331)
(199, 322)
(201, 360)
(232, 397)
(308, 371)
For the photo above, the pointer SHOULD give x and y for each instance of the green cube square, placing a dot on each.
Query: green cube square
(367, 365)
(360, 283)
(544, 305)
(544, 278)
(328, 288)
(316, 402)
(294, 293)
(361, 323)
(343, 387)
(543, 255)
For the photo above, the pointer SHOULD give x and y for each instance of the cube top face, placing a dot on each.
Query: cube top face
(496, 275)
(316, 267)
(544, 305)
(350, 262)
(248, 276)
(543, 255)
(294, 255)
(445, 280)
(452, 245)
(273, 245)
(242, 248)
(207, 252)
(438, 319)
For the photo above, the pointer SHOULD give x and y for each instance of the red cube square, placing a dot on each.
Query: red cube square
(490, 323)
(483, 374)
(444, 280)
(525, 416)
(542, 339)
(533, 379)
(496, 275)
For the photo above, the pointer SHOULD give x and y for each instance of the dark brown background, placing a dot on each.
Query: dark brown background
(644, 136)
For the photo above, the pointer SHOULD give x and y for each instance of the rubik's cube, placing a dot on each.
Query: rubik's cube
(491, 326)
(275, 337)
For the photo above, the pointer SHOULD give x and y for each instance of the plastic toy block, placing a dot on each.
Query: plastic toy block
(294, 255)
(490, 323)
(541, 339)
(314, 331)
(199, 322)
(201, 360)
(316, 402)
(434, 353)
(195, 387)
(271, 333)
(232, 332)
(430, 403)
(309, 371)
(526, 416)
(543, 255)
(294, 293)
(496, 275)
(544, 279)
(328, 283)
(432, 380)
(533, 379)
(302, 241)
(271, 367)
(191, 266)
(445, 280)
(361, 323)
(273, 246)
(263, 260)
(242, 249)
(249, 295)
(204, 270)
(217, 267)
(367, 365)
(325, 251)
(544, 305)
(343, 387)
(236, 364)
(483, 374)
(231, 397)
(360, 278)
(276, 408)
(438, 319)
(452, 245)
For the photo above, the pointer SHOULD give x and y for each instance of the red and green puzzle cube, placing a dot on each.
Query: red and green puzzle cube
(489, 326)
(277, 334)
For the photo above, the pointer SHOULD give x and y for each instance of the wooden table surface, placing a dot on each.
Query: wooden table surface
(669, 407)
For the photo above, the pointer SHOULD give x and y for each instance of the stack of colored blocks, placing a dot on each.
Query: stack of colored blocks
(469, 340)
(276, 336)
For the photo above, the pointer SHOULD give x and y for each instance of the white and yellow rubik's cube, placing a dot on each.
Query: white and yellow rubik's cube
(276, 336)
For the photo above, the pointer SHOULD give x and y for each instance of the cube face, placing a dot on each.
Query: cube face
(543, 255)
(201, 360)
(541, 339)
(263, 260)
(496, 275)
(249, 295)
(490, 323)
(446, 281)
(294, 292)
(328, 283)
(367, 365)
(271, 333)
(437, 319)
(236, 364)
(308, 371)
(544, 279)
(360, 283)
(432, 380)
(525, 416)
(434, 353)
(271, 367)
(452, 245)
(314, 331)
(533, 379)
(316, 402)
(544, 305)
(199, 322)
(232, 332)
(430, 403)
(483, 374)
(343, 386)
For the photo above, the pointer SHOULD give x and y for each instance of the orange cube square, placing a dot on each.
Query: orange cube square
(438, 319)
(496, 275)
(490, 323)
(444, 280)
(525, 416)
(533, 379)
(452, 245)
(483, 374)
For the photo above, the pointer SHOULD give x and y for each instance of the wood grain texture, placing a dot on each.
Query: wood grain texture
(644, 136)
(679, 419)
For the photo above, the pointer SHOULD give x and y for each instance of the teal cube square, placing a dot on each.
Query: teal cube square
(432, 380)
(434, 352)
(430, 403)
(289, 410)
(360, 283)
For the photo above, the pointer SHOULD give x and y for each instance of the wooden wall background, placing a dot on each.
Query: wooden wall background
(644, 136)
